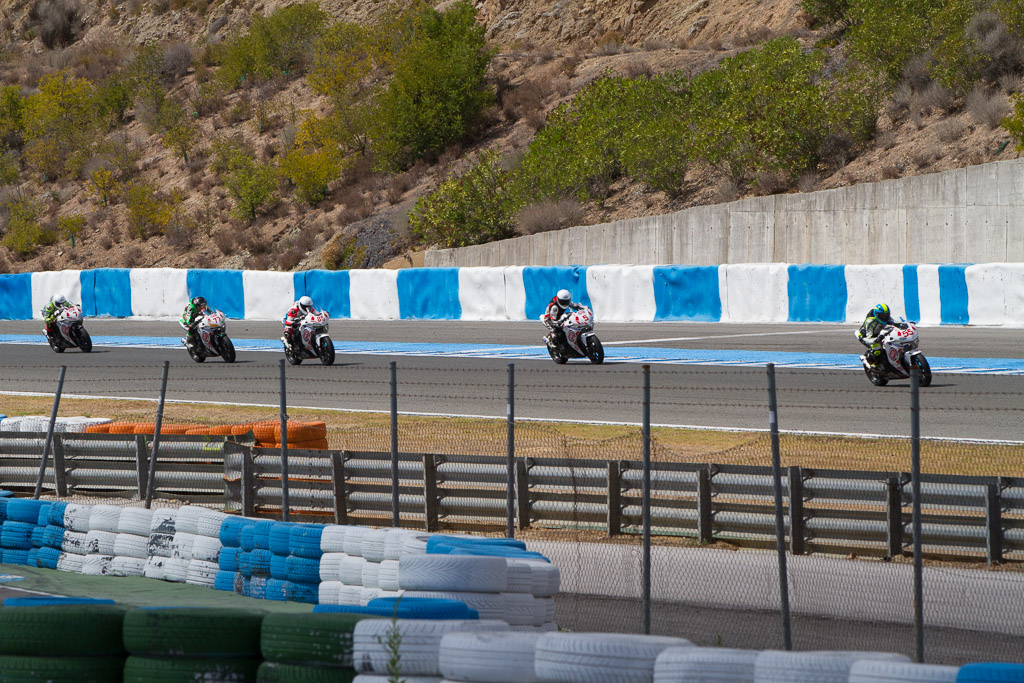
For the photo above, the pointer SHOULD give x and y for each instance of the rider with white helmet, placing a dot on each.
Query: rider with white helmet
(560, 304)
(50, 311)
(294, 316)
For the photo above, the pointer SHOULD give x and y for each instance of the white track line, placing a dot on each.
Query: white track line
(611, 423)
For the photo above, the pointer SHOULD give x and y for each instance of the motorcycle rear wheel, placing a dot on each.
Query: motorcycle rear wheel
(196, 355)
(557, 355)
(292, 357)
(876, 378)
(83, 340)
(227, 349)
(595, 351)
(924, 369)
(55, 345)
(326, 351)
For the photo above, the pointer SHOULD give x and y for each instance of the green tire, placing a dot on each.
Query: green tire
(318, 639)
(62, 630)
(273, 672)
(58, 669)
(189, 670)
(193, 632)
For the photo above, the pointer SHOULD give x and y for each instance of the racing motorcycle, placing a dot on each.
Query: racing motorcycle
(70, 331)
(578, 339)
(313, 340)
(899, 355)
(213, 339)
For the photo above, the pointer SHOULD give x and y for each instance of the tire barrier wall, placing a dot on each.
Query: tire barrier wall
(933, 294)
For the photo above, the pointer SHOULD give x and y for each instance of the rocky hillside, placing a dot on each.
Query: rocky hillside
(137, 198)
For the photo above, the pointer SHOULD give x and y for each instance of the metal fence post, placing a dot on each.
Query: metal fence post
(645, 604)
(49, 433)
(284, 449)
(340, 494)
(395, 502)
(60, 474)
(780, 524)
(510, 454)
(614, 499)
(523, 494)
(894, 515)
(248, 483)
(430, 501)
(796, 510)
(705, 514)
(915, 483)
(993, 521)
(151, 478)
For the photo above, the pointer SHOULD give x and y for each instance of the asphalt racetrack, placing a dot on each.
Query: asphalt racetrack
(703, 375)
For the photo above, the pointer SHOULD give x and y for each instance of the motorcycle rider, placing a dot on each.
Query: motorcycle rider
(560, 304)
(871, 329)
(51, 310)
(194, 312)
(294, 316)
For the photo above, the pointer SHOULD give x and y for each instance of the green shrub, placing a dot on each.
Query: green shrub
(12, 117)
(886, 33)
(70, 225)
(251, 184)
(1014, 123)
(281, 43)
(10, 167)
(474, 208)
(59, 125)
(149, 211)
(179, 131)
(311, 172)
(826, 11)
(956, 61)
(437, 91)
(22, 231)
(113, 98)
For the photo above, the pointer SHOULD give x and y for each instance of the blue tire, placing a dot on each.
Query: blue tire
(14, 556)
(258, 587)
(37, 537)
(53, 536)
(47, 558)
(244, 562)
(278, 537)
(303, 570)
(224, 581)
(24, 510)
(54, 600)
(55, 515)
(305, 541)
(990, 672)
(230, 529)
(279, 567)
(424, 608)
(228, 559)
(260, 562)
(261, 534)
(247, 537)
(43, 518)
(459, 541)
(277, 590)
(16, 535)
(308, 593)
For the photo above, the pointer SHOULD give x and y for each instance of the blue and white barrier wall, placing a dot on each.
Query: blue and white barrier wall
(959, 294)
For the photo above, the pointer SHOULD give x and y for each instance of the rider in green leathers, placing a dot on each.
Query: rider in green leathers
(194, 311)
(870, 331)
(54, 306)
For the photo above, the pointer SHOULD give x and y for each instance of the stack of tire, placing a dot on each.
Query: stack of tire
(302, 565)
(308, 647)
(20, 520)
(131, 546)
(206, 546)
(359, 564)
(41, 423)
(228, 578)
(58, 640)
(50, 531)
(73, 542)
(301, 435)
(104, 521)
(254, 558)
(160, 548)
(192, 643)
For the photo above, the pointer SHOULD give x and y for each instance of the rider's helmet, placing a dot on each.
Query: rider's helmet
(305, 304)
(199, 302)
(881, 311)
(59, 300)
(564, 297)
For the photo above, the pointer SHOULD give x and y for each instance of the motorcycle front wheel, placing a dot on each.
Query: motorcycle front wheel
(227, 349)
(326, 351)
(83, 340)
(595, 351)
(924, 370)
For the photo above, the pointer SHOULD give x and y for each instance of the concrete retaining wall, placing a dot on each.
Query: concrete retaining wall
(973, 215)
(990, 294)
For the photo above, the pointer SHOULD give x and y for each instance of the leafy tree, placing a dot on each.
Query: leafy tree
(114, 97)
(12, 117)
(886, 33)
(956, 60)
(102, 184)
(10, 167)
(180, 132)
(310, 171)
(149, 211)
(281, 43)
(71, 225)
(59, 125)
(22, 231)
(474, 208)
(251, 184)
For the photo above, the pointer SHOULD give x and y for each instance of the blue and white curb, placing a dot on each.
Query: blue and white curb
(616, 354)
(948, 294)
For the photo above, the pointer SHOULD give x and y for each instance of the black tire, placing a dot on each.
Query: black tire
(55, 344)
(193, 632)
(82, 339)
(326, 351)
(227, 349)
(57, 669)
(182, 669)
(292, 357)
(595, 351)
(273, 672)
(62, 631)
(316, 639)
(196, 355)
(924, 369)
(875, 378)
(557, 355)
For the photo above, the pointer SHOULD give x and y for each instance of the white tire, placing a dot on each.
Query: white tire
(876, 671)
(453, 573)
(162, 521)
(521, 610)
(393, 543)
(488, 657)
(389, 594)
(351, 570)
(76, 517)
(74, 542)
(546, 578)
(372, 548)
(520, 577)
(175, 569)
(371, 570)
(600, 657)
(489, 605)
(414, 544)
(183, 542)
(134, 521)
(160, 545)
(154, 568)
(353, 544)
(776, 666)
(387, 575)
(330, 566)
(419, 647)
(367, 594)
(104, 518)
(70, 562)
(705, 665)
(329, 593)
(350, 595)
(127, 566)
(208, 522)
(202, 573)
(100, 542)
(332, 540)
(187, 519)
(206, 548)
(96, 565)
